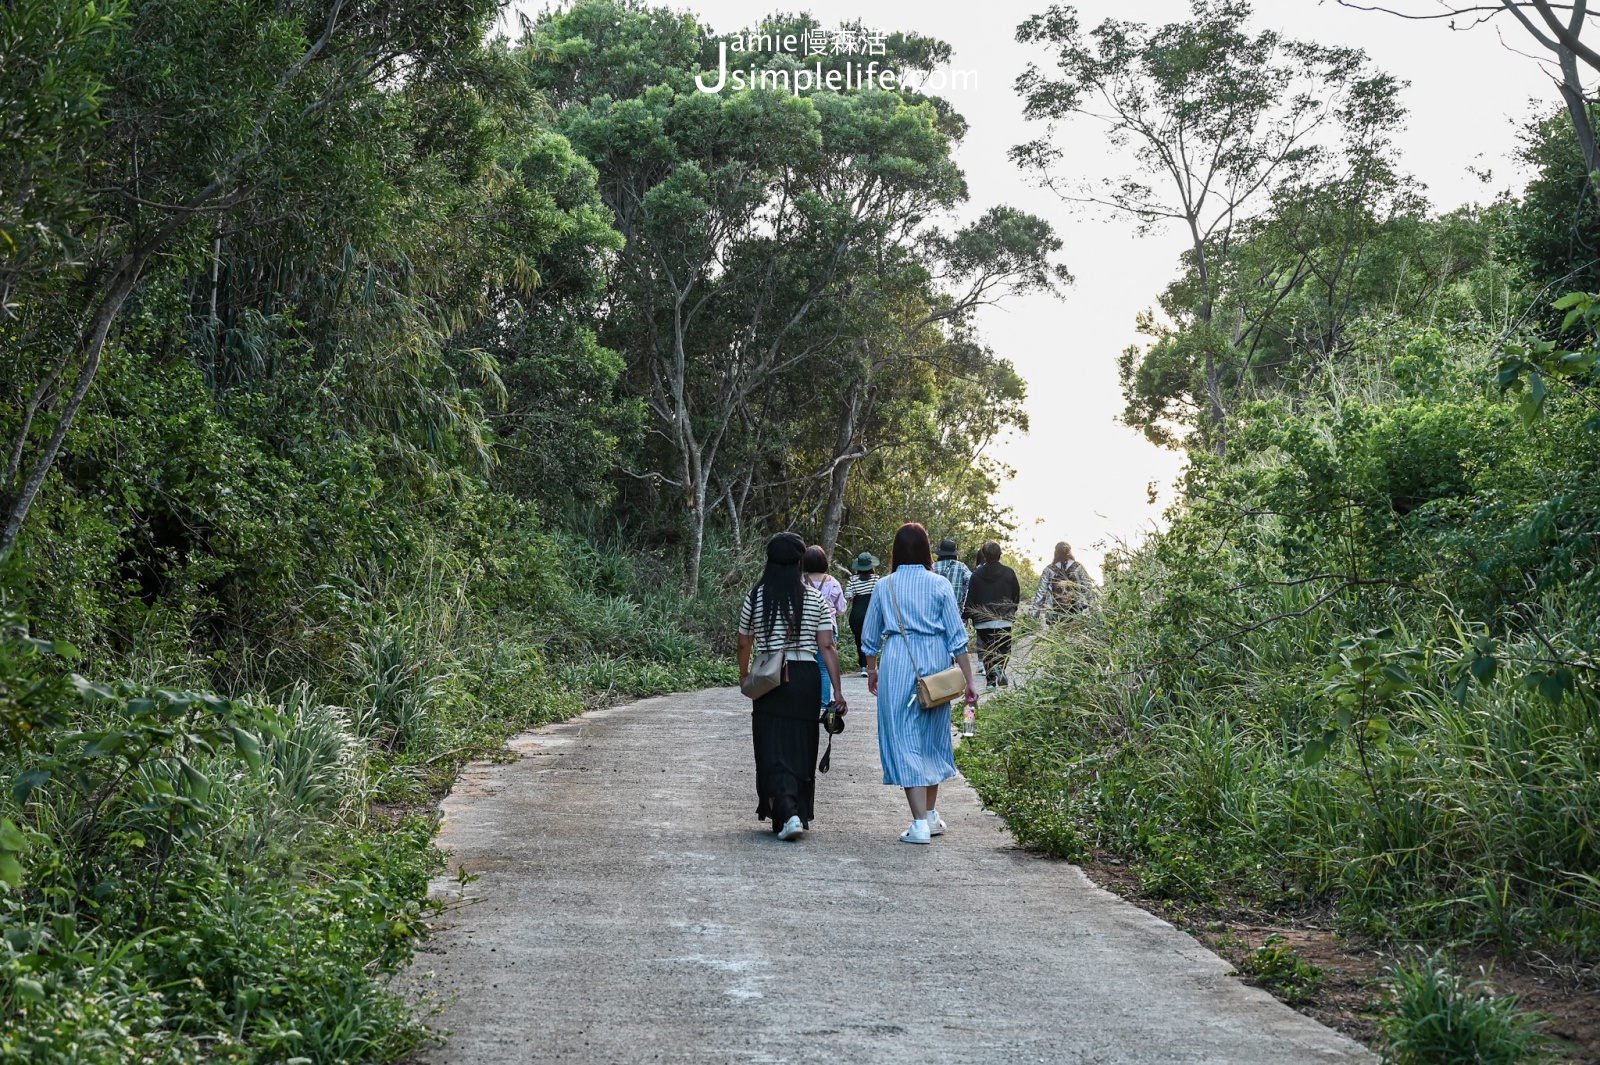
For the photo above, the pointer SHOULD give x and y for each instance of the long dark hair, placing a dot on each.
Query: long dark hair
(781, 589)
(911, 548)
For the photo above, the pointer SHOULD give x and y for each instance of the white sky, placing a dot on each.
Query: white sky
(1081, 476)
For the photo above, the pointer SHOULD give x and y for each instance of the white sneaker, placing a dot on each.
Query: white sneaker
(791, 828)
(917, 833)
(935, 823)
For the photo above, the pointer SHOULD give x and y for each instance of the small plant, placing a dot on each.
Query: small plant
(1275, 966)
(1439, 1019)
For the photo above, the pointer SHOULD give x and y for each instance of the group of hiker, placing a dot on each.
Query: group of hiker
(910, 630)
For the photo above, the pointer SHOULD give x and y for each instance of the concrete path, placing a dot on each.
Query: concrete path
(631, 909)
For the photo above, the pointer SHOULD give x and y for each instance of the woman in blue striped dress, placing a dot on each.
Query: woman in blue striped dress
(914, 743)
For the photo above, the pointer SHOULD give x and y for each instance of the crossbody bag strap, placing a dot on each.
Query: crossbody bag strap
(895, 601)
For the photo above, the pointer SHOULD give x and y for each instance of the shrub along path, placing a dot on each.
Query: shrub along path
(630, 909)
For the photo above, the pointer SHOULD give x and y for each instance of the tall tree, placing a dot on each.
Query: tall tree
(251, 99)
(1555, 27)
(1217, 116)
(757, 225)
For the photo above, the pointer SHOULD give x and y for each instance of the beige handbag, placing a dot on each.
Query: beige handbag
(935, 689)
(766, 673)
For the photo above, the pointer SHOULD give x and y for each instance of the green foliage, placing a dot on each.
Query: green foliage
(1275, 966)
(1355, 672)
(1439, 1019)
(774, 240)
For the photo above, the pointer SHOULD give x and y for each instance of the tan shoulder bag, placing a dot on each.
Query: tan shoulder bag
(935, 689)
(766, 667)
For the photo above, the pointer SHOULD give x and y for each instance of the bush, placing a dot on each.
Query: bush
(1437, 1019)
(1354, 673)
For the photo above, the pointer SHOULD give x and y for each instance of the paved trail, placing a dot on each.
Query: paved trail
(632, 910)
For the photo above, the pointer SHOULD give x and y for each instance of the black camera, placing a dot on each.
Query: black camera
(832, 719)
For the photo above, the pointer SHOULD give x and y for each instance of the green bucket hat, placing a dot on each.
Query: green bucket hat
(865, 562)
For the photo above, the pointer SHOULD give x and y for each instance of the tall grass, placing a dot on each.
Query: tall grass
(247, 897)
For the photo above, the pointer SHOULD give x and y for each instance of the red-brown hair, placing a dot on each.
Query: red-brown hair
(911, 548)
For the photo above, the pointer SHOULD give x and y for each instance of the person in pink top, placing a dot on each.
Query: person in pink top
(815, 567)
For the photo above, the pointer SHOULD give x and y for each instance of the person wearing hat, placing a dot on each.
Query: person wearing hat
(782, 613)
(863, 579)
(952, 569)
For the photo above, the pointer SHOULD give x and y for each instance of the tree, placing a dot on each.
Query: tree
(1558, 29)
(1218, 117)
(762, 230)
(1006, 252)
(251, 100)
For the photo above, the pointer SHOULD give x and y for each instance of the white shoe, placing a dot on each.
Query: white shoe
(863, 672)
(917, 833)
(791, 828)
(935, 823)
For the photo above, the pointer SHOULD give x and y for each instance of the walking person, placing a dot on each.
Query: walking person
(949, 566)
(915, 624)
(1064, 587)
(858, 592)
(782, 614)
(992, 599)
(814, 566)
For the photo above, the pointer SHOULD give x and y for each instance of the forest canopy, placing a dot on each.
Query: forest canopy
(377, 386)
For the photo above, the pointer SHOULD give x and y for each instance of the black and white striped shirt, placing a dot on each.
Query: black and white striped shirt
(860, 585)
(815, 616)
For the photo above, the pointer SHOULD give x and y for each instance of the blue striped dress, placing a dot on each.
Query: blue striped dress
(913, 743)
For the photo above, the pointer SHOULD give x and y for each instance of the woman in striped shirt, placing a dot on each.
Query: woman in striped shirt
(915, 623)
(783, 614)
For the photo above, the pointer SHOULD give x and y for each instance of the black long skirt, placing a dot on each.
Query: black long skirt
(783, 725)
(858, 619)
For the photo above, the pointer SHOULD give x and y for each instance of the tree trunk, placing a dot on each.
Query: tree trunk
(697, 529)
(1571, 86)
(20, 497)
(1214, 394)
(845, 455)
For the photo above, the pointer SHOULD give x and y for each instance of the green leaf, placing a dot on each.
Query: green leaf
(1484, 668)
(11, 837)
(10, 869)
(91, 689)
(30, 989)
(27, 783)
(199, 784)
(1315, 751)
(1571, 300)
(104, 744)
(247, 745)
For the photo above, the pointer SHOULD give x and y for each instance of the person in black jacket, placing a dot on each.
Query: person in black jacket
(992, 599)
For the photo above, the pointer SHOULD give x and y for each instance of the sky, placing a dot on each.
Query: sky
(1080, 475)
